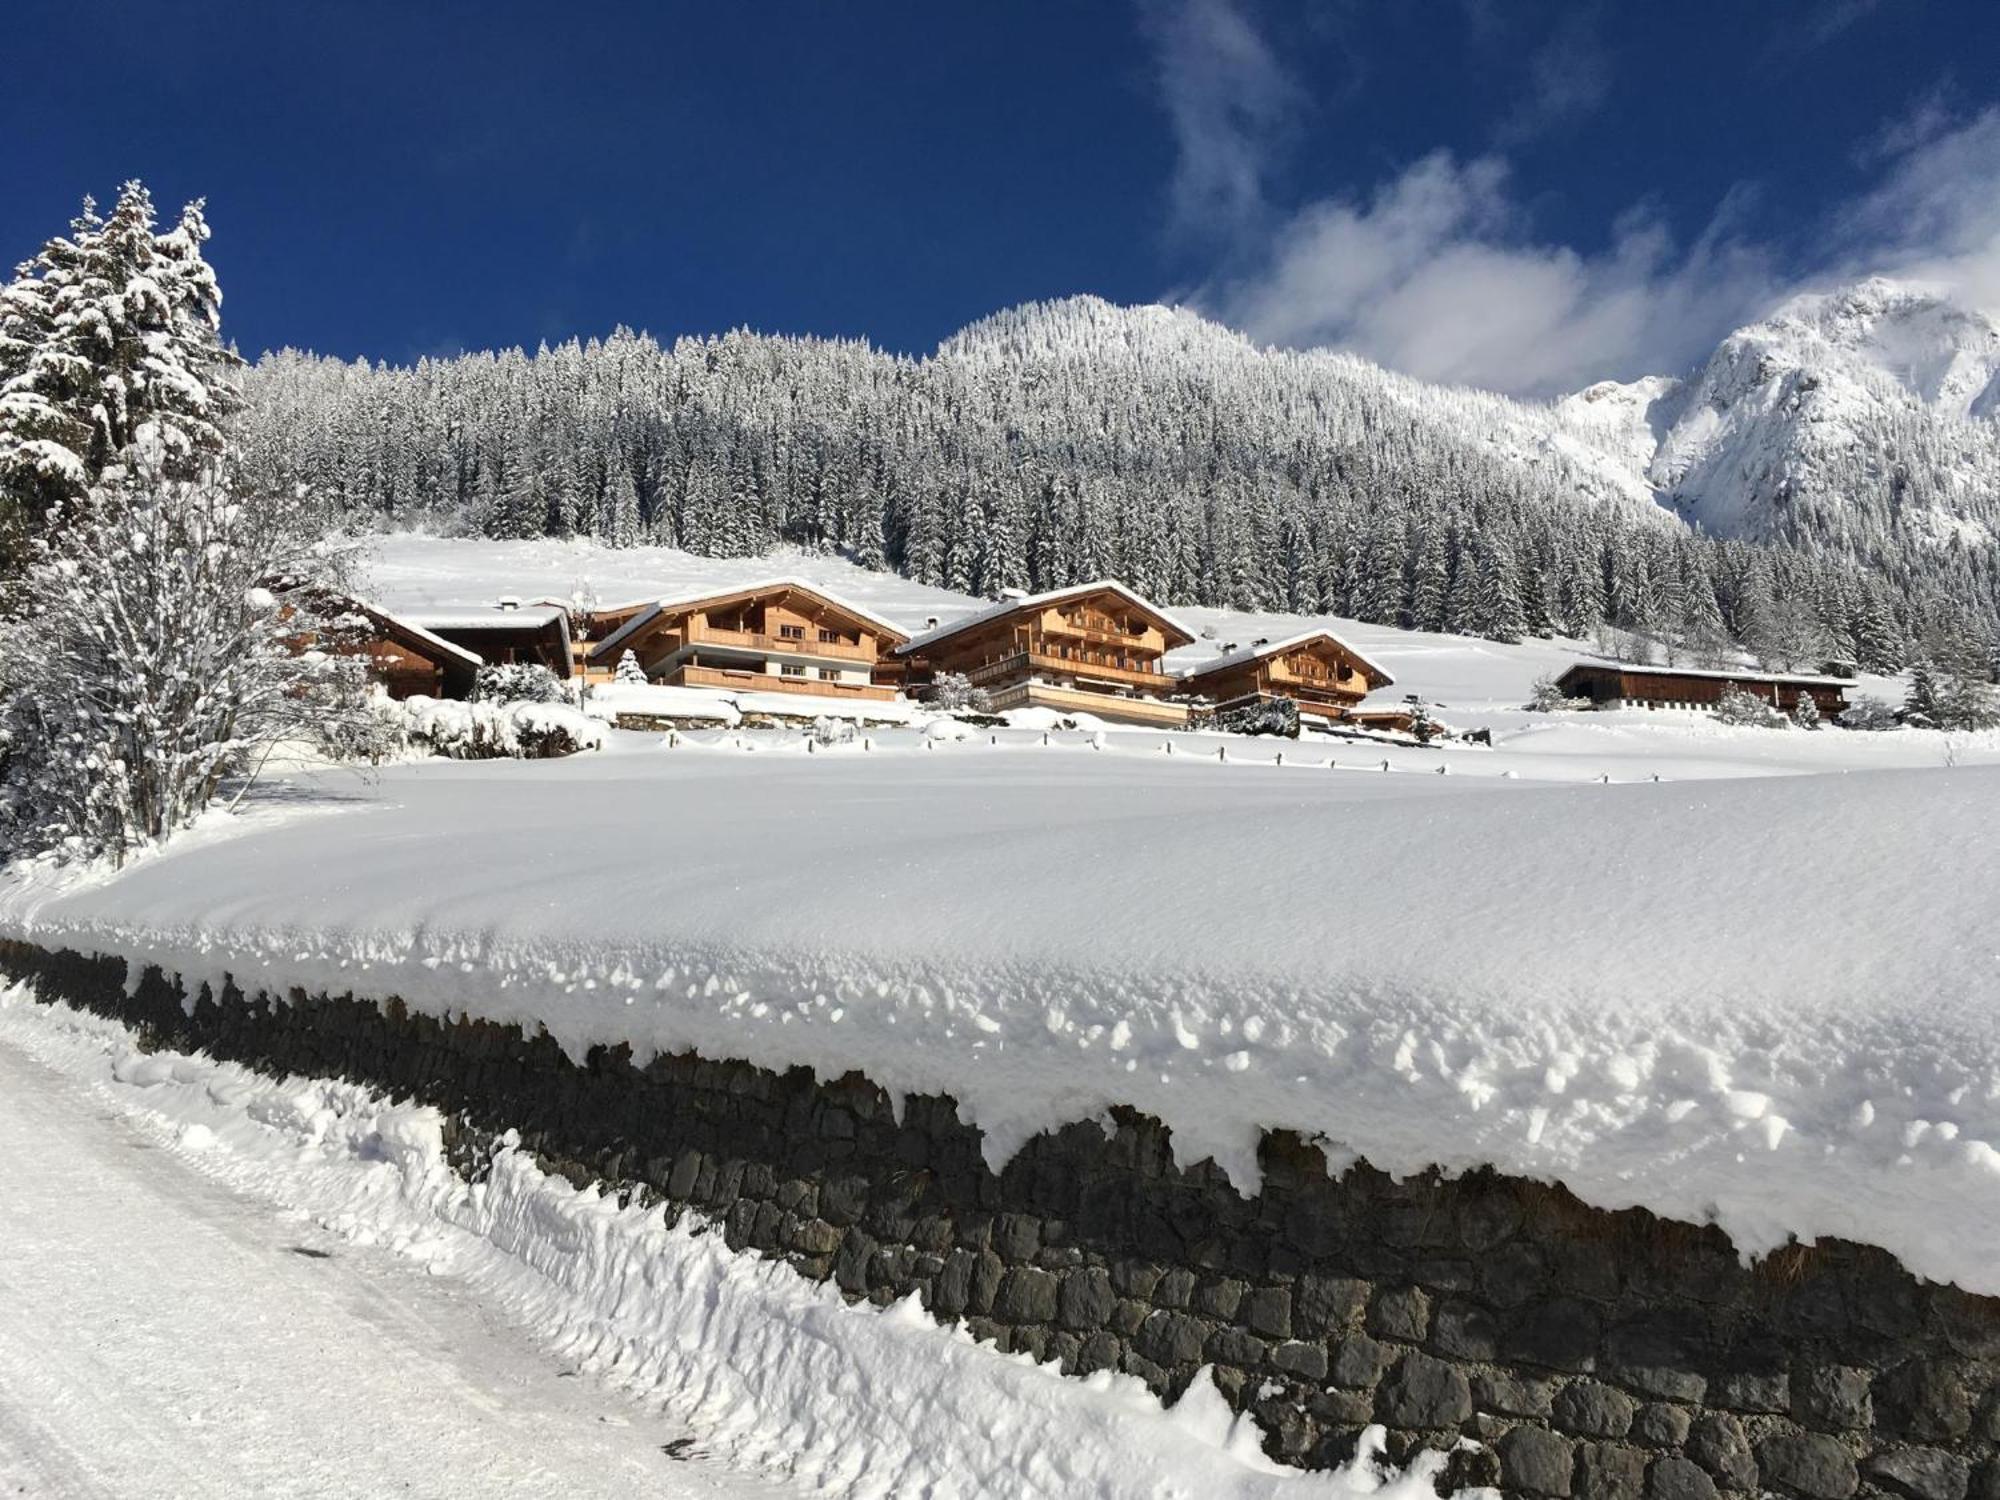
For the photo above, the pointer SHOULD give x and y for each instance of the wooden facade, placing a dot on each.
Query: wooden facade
(505, 635)
(408, 660)
(1617, 685)
(1096, 648)
(1318, 671)
(780, 636)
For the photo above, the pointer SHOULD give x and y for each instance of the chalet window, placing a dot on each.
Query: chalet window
(829, 635)
(827, 674)
(792, 632)
(792, 671)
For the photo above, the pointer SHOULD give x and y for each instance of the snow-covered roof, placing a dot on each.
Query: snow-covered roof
(1257, 652)
(438, 643)
(1007, 605)
(1738, 674)
(660, 607)
(492, 617)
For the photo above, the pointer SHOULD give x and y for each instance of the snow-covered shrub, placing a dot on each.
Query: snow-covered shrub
(1868, 713)
(488, 730)
(1547, 698)
(1266, 716)
(1746, 710)
(827, 730)
(1805, 713)
(629, 670)
(520, 682)
(952, 691)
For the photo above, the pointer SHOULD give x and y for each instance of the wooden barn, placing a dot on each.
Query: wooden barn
(504, 634)
(1324, 675)
(1621, 685)
(1095, 648)
(782, 635)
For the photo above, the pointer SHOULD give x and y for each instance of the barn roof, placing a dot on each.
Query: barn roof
(1003, 607)
(1737, 674)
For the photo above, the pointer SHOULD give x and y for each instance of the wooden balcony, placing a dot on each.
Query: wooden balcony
(752, 640)
(1024, 664)
(771, 682)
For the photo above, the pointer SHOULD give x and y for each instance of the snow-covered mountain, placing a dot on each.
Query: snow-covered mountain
(1847, 417)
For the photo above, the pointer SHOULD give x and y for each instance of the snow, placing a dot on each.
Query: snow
(607, 700)
(522, 617)
(1585, 983)
(331, 1373)
(455, 728)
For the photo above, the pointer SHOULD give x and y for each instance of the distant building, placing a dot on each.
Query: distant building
(781, 635)
(1620, 685)
(1324, 675)
(407, 659)
(1095, 648)
(504, 634)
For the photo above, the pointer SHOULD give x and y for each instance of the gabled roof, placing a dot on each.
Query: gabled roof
(1380, 677)
(394, 625)
(1738, 674)
(490, 617)
(660, 607)
(1007, 606)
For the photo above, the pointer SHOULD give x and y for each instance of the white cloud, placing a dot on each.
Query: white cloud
(1438, 271)
(1935, 216)
(1436, 276)
(1230, 101)
(1569, 76)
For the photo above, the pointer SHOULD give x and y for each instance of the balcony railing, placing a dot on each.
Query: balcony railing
(752, 640)
(1025, 663)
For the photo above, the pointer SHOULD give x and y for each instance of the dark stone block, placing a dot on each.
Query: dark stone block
(1746, 1391)
(1327, 1304)
(1268, 1311)
(1175, 1288)
(987, 1269)
(1016, 1237)
(1358, 1362)
(1920, 1473)
(1424, 1392)
(1087, 1298)
(1514, 1396)
(1218, 1297)
(1172, 1339)
(1676, 1478)
(1661, 1426)
(1233, 1346)
(1027, 1295)
(1610, 1471)
(1534, 1461)
(1590, 1408)
(1808, 1463)
(1922, 1399)
(1719, 1444)
(1307, 1361)
(1560, 1334)
(1403, 1314)
(1465, 1330)
(1832, 1398)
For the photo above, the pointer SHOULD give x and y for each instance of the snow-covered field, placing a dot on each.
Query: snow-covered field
(1768, 1002)
(169, 1334)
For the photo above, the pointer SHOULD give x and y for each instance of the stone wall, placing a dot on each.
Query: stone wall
(1589, 1353)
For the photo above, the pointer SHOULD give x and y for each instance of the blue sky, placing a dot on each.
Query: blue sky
(1521, 195)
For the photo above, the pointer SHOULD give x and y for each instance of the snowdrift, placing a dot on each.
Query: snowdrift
(1770, 1004)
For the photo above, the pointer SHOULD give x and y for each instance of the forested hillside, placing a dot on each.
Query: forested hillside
(1066, 440)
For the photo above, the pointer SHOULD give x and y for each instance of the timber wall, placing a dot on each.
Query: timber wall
(1590, 1354)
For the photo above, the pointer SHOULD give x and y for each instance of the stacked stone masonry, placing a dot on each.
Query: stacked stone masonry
(1590, 1354)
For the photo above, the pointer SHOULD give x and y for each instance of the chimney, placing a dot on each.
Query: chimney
(930, 622)
(1014, 595)
(508, 601)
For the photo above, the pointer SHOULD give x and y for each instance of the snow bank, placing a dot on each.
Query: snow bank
(771, 1371)
(608, 700)
(1768, 1002)
(485, 731)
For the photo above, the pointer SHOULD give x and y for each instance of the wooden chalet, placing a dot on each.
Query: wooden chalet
(1324, 675)
(1621, 685)
(1096, 648)
(782, 635)
(505, 634)
(410, 661)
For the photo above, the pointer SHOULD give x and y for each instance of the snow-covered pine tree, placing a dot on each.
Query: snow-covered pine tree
(171, 634)
(1921, 701)
(629, 670)
(1805, 713)
(109, 332)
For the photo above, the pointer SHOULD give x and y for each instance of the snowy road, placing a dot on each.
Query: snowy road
(160, 1337)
